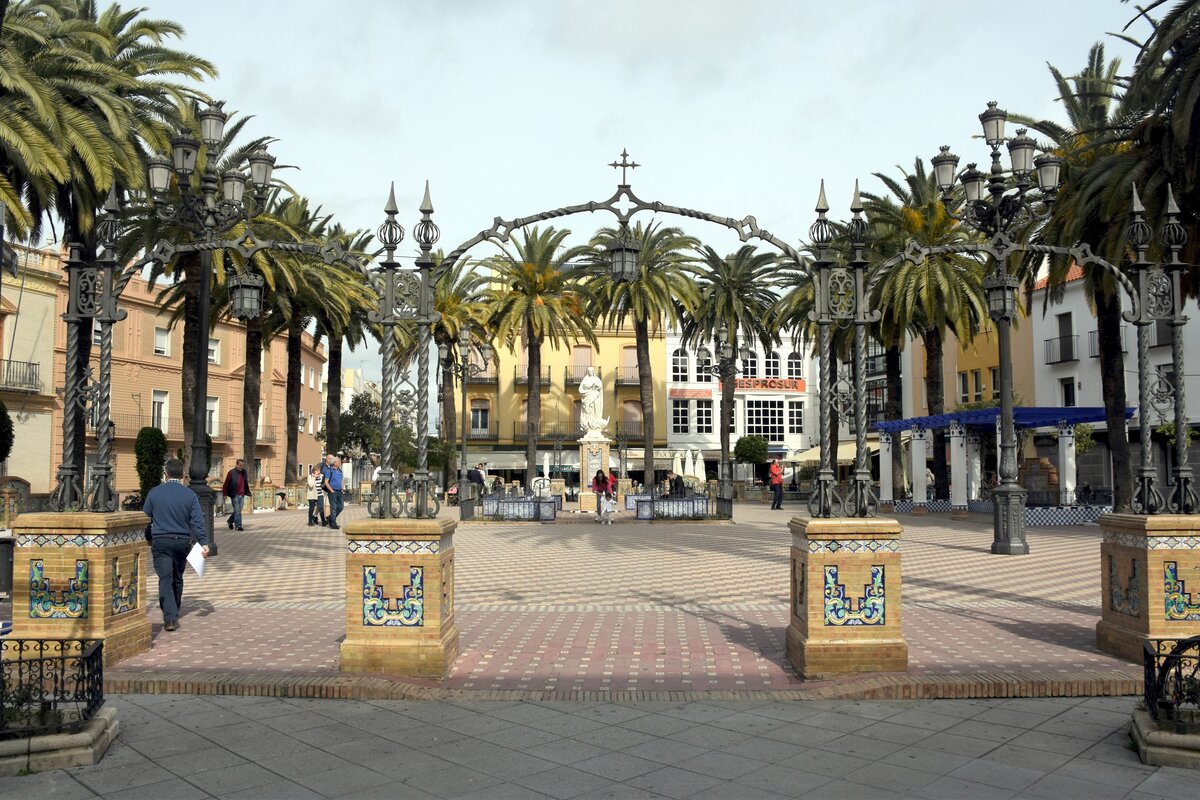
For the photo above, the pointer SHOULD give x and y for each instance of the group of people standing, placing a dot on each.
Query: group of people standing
(326, 481)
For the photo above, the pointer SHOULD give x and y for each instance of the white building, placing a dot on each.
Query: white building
(775, 397)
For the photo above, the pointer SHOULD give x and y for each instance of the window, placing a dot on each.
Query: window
(679, 417)
(703, 364)
(964, 394)
(481, 416)
(96, 328)
(750, 365)
(795, 366)
(215, 469)
(1068, 392)
(733, 416)
(258, 469)
(214, 351)
(765, 418)
(995, 383)
(581, 355)
(978, 376)
(312, 378)
(162, 342)
(303, 419)
(312, 421)
(158, 410)
(771, 365)
(212, 406)
(795, 416)
(679, 366)
(704, 416)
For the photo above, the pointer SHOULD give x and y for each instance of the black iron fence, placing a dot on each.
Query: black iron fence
(49, 685)
(628, 376)
(20, 375)
(521, 375)
(1094, 342)
(1062, 349)
(1171, 689)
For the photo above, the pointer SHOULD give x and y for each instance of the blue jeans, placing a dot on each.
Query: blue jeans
(236, 517)
(335, 506)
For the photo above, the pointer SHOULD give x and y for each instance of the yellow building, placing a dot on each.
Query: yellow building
(497, 403)
(971, 371)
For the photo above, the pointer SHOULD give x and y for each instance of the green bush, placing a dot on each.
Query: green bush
(150, 448)
(6, 433)
(751, 450)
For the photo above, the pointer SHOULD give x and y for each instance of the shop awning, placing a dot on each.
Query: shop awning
(1023, 417)
(846, 452)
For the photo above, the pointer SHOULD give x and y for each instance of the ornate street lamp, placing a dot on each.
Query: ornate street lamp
(463, 369)
(726, 370)
(624, 251)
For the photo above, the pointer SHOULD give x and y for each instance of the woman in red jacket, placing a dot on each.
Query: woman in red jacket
(776, 472)
(600, 487)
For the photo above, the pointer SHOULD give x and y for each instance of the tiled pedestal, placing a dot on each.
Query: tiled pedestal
(400, 597)
(1150, 581)
(82, 576)
(845, 597)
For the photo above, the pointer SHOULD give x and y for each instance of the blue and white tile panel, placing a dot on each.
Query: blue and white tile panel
(416, 547)
(80, 539)
(1152, 542)
(1064, 515)
(846, 545)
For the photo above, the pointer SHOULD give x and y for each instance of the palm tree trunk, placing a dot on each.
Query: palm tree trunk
(252, 391)
(533, 418)
(895, 410)
(191, 346)
(935, 394)
(449, 417)
(1112, 383)
(333, 395)
(641, 330)
(727, 392)
(294, 370)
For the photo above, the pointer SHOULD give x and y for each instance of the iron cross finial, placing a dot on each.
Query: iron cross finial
(624, 164)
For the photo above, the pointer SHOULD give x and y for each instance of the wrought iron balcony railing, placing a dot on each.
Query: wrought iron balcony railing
(484, 433)
(487, 376)
(1094, 342)
(50, 685)
(575, 373)
(521, 375)
(23, 375)
(1062, 349)
(631, 430)
(547, 431)
(628, 376)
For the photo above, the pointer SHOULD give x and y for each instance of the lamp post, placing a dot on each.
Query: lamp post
(463, 368)
(726, 370)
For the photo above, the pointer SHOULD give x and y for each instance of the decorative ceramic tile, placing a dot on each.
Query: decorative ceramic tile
(416, 547)
(407, 611)
(866, 610)
(850, 545)
(1152, 542)
(124, 593)
(1179, 604)
(1124, 599)
(79, 539)
(72, 603)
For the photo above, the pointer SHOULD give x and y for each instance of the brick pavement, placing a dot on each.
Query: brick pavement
(640, 607)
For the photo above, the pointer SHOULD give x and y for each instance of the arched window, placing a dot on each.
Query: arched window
(795, 368)
(750, 365)
(703, 364)
(679, 366)
(771, 365)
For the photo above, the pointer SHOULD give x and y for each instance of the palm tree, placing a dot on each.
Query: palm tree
(459, 298)
(1093, 105)
(941, 293)
(536, 298)
(660, 291)
(734, 292)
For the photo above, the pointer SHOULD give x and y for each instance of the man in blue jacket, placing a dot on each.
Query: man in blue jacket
(332, 475)
(175, 514)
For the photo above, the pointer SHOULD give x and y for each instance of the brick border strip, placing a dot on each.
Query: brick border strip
(878, 686)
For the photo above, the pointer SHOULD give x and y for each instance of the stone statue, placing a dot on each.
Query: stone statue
(591, 391)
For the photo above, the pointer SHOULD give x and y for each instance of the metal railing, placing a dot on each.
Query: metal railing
(482, 434)
(1171, 685)
(1094, 342)
(521, 375)
(631, 430)
(575, 373)
(128, 425)
(547, 430)
(20, 375)
(1062, 349)
(628, 376)
(487, 376)
(49, 685)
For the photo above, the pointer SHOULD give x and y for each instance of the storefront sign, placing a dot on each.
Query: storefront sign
(771, 384)
(690, 394)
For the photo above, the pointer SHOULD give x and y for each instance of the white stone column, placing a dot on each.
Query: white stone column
(916, 449)
(1066, 464)
(958, 468)
(885, 468)
(974, 466)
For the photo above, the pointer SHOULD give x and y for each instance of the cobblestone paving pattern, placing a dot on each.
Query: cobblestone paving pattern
(257, 748)
(637, 606)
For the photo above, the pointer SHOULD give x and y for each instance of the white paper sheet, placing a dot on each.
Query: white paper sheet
(196, 559)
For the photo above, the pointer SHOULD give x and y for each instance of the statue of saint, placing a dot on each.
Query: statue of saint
(591, 392)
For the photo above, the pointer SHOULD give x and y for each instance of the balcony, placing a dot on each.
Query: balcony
(1160, 333)
(1094, 342)
(1062, 349)
(126, 426)
(628, 376)
(631, 430)
(547, 431)
(576, 373)
(486, 376)
(488, 433)
(521, 375)
(20, 375)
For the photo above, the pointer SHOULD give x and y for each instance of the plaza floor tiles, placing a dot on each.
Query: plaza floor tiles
(635, 606)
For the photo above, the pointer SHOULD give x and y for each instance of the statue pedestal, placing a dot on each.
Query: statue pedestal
(594, 448)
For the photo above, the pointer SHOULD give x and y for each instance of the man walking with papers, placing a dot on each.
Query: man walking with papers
(174, 512)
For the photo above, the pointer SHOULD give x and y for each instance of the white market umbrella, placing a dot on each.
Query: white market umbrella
(677, 464)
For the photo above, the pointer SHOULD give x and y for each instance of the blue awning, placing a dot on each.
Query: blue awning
(1023, 417)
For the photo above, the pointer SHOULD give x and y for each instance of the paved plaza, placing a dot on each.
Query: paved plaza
(183, 747)
(640, 607)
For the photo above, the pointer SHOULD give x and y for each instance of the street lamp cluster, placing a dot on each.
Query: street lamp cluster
(463, 368)
(726, 370)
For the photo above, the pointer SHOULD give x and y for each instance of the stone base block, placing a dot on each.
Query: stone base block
(1162, 748)
(60, 750)
(920, 510)
(412, 658)
(816, 660)
(1121, 642)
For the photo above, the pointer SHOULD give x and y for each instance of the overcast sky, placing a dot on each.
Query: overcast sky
(735, 108)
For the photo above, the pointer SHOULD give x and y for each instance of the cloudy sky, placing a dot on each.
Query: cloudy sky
(513, 107)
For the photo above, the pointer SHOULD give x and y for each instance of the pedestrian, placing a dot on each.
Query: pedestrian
(175, 516)
(331, 475)
(600, 488)
(608, 507)
(316, 502)
(930, 480)
(236, 488)
(776, 473)
(675, 485)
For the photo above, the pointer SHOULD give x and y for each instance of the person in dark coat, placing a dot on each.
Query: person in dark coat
(236, 488)
(175, 516)
(675, 485)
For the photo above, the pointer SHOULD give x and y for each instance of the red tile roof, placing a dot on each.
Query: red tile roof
(1075, 273)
